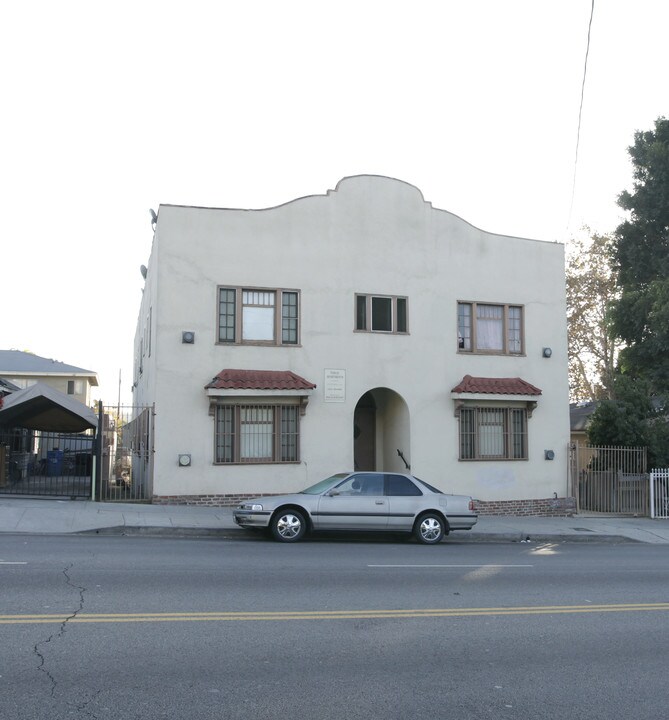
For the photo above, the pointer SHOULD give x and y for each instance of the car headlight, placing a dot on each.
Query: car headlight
(254, 507)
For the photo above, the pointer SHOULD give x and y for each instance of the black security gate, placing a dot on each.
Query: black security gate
(33, 462)
(115, 465)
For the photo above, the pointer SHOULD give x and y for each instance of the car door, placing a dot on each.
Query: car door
(357, 503)
(405, 501)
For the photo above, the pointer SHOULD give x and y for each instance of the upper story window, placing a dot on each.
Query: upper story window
(381, 313)
(258, 315)
(75, 387)
(487, 328)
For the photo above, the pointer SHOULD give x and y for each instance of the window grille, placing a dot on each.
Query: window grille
(257, 433)
(493, 433)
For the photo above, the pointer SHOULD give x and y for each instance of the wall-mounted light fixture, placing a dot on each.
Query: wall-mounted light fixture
(546, 352)
(184, 460)
(549, 454)
(188, 337)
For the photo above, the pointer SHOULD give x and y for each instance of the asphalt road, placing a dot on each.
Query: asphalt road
(94, 627)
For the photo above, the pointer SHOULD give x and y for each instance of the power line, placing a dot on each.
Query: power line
(580, 112)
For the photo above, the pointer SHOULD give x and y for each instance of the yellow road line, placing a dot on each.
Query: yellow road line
(327, 614)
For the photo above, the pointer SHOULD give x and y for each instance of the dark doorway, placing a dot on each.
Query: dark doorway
(364, 434)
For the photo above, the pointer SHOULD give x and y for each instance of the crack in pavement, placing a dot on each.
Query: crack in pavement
(63, 626)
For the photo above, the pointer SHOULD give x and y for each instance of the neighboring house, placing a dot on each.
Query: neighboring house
(7, 387)
(579, 417)
(24, 369)
(361, 329)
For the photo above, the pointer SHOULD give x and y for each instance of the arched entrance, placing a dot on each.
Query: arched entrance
(381, 432)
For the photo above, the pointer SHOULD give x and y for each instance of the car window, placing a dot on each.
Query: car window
(366, 483)
(350, 486)
(400, 485)
(428, 486)
(323, 485)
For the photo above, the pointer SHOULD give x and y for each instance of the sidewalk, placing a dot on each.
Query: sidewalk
(57, 517)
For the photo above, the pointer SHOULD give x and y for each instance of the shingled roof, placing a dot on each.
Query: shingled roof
(495, 386)
(259, 380)
(16, 363)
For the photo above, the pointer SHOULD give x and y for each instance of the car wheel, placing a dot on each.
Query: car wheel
(429, 529)
(288, 525)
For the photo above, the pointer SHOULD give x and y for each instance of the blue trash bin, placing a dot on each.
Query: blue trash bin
(54, 461)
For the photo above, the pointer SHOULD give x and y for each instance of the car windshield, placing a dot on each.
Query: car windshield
(429, 487)
(323, 485)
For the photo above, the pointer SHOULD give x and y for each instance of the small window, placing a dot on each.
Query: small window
(381, 313)
(361, 312)
(258, 316)
(487, 328)
(289, 318)
(401, 315)
(75, 387)
(226, 315)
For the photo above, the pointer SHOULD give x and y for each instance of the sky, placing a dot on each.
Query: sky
(110, 109)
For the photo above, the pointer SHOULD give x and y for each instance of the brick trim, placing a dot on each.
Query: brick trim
(547, 507)
(204, 500)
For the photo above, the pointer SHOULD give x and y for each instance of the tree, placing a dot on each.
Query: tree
(640, 257)
(638, 414)
(593, 348)
(633, 419)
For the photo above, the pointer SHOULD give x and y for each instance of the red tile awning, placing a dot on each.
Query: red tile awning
(495, 386)
(259, 380)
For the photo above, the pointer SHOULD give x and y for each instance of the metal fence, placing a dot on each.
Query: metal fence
(126, 454)
(610, 480)
(34, 462)
(659, 493)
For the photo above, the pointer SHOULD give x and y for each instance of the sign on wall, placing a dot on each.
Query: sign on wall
(334, 386)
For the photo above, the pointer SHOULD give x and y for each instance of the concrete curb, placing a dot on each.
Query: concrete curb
(455, 538)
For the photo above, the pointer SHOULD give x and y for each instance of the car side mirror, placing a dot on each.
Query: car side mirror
(332, 493)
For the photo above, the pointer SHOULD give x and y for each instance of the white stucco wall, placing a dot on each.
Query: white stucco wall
(370, 235)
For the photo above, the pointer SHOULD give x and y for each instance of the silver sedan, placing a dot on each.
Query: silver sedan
(379, 501)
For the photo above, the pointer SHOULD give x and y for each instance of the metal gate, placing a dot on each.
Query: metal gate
(610, 480)
(659, 493)
(126, 453)
(33, 462)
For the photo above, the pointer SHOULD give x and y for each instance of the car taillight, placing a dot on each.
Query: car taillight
(472, 507)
